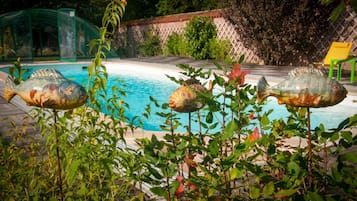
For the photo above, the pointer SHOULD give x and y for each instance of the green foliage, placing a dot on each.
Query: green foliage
(222, 160)
(176, 45)
(168, 7)
(198, 32)
(17, 72)
(82, 144)
(219, 49)
(283, 33)
(339, 8)
(150, 45)
(225, 163)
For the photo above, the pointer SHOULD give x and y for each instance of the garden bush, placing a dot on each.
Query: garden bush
(282, 33)
(176, 45)
(198, 33)
(240, 153)
(219, 49)
(76, 156)
(151, 45)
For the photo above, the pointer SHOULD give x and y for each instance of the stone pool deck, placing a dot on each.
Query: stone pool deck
(272, 73)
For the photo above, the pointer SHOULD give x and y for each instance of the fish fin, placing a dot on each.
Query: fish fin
(9, 91)
(47, 72)
(262, 89)
(307, 70)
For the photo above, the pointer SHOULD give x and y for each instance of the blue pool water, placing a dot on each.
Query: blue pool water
(141, 84)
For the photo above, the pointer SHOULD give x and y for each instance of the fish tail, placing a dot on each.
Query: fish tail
(262, 89)
(9, 91)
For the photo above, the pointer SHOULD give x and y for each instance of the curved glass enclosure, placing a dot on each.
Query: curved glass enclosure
(44, 34)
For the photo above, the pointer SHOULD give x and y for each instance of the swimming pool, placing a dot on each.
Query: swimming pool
(145, 81)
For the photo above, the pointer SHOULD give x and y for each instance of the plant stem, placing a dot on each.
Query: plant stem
(59, 170)
(180, 171)
(325, 168)
(310, 178)
(167, 182)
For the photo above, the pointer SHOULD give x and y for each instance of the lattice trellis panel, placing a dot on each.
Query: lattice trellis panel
(166, 29)
(342, 30)
(225, 30)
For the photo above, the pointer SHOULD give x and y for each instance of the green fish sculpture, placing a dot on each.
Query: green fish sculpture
(47, 88)
(304, 87)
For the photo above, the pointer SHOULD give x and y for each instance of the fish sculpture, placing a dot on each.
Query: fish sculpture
(304, 87)
(47, 88)
(185, 99)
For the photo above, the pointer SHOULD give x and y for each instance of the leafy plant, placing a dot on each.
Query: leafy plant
(219, 49)
(76, 158)
(239, 153)
(17, 72)
(176, 45)
(151, 44)
(198, 32)
(281, 33)
(339, 8)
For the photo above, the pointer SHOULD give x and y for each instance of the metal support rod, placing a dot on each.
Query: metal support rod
(59, 170)
(189, 150)
(310, 178)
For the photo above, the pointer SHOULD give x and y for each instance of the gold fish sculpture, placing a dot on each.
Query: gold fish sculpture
(47, 88)
(185, 99)
(304, 87)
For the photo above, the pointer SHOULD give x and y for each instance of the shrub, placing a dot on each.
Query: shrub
(151, 45)
(199, 31)
(282, 33)
(219, 49)
(240, 153)
(176, 45)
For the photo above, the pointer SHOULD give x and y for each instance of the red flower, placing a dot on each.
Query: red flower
(254, 135)
(181, 188)
(237, 75)
(192, 187)
(251, 116)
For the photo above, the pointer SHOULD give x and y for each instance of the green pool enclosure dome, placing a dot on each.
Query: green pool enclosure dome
(44, 34)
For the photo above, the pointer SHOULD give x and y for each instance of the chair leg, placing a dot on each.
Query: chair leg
(330, 72)
(339, 71)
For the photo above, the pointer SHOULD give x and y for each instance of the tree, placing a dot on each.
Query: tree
(340, 7)
(167, 7)
(137, 9)
(281, 32)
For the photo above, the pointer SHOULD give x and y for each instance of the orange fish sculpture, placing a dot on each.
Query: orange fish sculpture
(47, 88)
(185, 99)
(304, 87)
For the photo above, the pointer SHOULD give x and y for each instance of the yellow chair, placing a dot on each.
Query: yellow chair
(338, 54)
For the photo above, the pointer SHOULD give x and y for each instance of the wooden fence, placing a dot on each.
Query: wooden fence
(131, 32)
